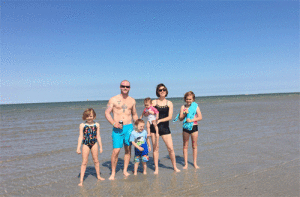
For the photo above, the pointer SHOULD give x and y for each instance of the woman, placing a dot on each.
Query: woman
(165, 108)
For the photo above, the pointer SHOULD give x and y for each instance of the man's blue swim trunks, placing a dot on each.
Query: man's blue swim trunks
(121, 136)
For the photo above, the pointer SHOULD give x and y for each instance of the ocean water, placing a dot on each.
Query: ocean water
(248, 145)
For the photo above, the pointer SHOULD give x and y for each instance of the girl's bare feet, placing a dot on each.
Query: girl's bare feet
(100, 178)
(176, 170)
(80, 184)
(112, 177)
(145, 172)
(126, 173)
(197, 167)
(156, 172)
(185, 167)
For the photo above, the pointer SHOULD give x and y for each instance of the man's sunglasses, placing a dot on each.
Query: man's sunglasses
(125, 86)
(163, 89)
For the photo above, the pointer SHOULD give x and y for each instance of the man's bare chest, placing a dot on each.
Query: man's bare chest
(123, 106)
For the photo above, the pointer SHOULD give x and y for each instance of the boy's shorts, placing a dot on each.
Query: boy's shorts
(143, 158)
(121, 136)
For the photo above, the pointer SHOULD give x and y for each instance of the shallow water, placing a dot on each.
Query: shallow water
(247, 146)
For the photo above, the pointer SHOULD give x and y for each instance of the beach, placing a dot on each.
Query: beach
(248, 145)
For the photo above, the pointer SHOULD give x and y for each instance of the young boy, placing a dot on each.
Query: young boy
(138, 139)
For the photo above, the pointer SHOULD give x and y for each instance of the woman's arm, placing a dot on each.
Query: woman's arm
(99, 137)
(80, 138)
(170, 105)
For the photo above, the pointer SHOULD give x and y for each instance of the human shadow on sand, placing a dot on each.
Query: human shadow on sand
(180, 160)
(150, 164)
(90, 170)
(120, 165)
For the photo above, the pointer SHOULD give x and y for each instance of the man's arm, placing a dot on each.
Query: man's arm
(134, 113)
(108, 110)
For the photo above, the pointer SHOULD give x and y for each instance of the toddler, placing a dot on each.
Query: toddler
(152, 115)
(139, 140)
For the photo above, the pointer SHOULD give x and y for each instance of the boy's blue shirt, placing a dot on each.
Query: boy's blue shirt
(140, 140)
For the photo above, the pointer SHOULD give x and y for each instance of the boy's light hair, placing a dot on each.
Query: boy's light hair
(87, 112)
(138, 121)
(148, 99)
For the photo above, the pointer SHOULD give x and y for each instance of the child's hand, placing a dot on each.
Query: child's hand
(101, 150)
(149, 148)
(151, 112)
(78, 151)
(189, 120)
(186, 111)
(141, 149)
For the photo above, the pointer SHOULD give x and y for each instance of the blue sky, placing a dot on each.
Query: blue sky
(53, 51)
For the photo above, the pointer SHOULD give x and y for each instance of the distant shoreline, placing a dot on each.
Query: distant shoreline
(170, 98)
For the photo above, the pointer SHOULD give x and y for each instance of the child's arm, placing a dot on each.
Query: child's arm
(199, 115)
(99, 137)
(182, 114)
(136, 146)
(80, 138)
(142, 115)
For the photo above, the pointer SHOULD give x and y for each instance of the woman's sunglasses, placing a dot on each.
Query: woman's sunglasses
(163, 89)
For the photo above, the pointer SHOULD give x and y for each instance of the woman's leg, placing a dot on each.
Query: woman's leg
(155, 145)
(169, 143)
(195, 148)
(185, 138)
(85, 155)
(148, 129)
(94, 151)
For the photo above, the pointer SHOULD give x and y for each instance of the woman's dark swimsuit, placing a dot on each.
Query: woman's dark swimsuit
(163, 127)
(195, 128)
(89, 135)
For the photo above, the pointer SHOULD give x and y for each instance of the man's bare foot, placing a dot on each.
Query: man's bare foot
(197, 167)
(156, 172)
(100, 178)
(176, 170)
(126, 173)
(112, 177)
(80, 184)
(185, 167)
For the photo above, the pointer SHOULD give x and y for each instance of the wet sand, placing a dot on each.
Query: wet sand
(247, 146)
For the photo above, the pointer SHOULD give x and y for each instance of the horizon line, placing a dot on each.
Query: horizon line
(168, 97)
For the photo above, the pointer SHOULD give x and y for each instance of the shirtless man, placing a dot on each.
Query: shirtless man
(123, 108)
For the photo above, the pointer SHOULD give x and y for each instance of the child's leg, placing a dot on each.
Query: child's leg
(85, 155)
(136, 166)
(148, 129)
(94, 151)
(154, 122)
(144, 167)
(185, 137)
(195, 147)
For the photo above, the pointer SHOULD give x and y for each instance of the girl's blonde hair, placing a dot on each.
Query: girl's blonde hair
(189, 93)
(87, 112)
